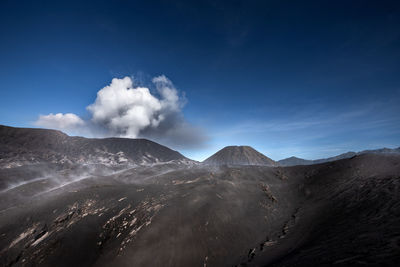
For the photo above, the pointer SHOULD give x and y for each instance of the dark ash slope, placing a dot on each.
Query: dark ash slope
(345, 212)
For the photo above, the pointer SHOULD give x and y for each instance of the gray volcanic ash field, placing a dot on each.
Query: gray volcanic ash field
(69, 201)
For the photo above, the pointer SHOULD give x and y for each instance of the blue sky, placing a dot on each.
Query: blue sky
(306, 78)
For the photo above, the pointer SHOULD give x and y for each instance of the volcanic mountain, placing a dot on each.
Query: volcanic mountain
(239, 155)
(340, 213)
(293, 161)
(21, 146)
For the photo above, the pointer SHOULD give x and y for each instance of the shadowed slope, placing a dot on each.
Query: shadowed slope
(358, 222)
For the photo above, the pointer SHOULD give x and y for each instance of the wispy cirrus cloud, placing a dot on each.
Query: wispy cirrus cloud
(317, 133)
(366, 117)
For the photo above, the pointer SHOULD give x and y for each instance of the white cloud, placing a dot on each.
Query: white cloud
(60, 121)
(126, 110)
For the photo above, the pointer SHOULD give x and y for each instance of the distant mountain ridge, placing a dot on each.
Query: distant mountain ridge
(239, 155)
(24, 146)
(293, 161)
(20, 146)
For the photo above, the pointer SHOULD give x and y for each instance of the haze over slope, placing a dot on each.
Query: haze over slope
(239, 155)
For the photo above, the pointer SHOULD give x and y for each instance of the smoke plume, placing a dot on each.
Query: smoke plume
(124, 110)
